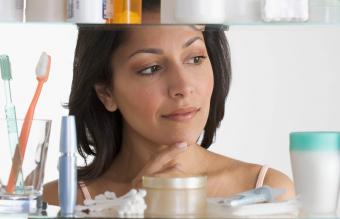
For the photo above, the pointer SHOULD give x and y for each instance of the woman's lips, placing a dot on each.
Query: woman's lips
(183, 114)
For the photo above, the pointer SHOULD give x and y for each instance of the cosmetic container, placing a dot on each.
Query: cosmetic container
(45, 10)
(123, 11)
(169, 197)
(315, 161)
(11, 10)
(68, 166)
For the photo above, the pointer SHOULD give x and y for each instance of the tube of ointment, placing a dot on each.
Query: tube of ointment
(67, 167)
(258, 195)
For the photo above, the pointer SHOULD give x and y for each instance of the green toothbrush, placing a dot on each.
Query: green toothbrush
(11, 119)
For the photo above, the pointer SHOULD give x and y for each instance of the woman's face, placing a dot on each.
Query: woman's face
(162, 83)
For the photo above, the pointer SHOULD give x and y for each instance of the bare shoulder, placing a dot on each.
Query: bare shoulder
(277, 179)
(50, 193)
(241, 176)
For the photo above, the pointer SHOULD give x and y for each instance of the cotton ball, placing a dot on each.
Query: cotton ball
(142, 193)
(110, 195)
(100, 197)
(88, 202)
(132, 192)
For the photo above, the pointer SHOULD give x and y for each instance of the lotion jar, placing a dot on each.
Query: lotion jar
(171, 197)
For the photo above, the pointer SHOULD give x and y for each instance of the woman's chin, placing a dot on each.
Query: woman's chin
(189, 139)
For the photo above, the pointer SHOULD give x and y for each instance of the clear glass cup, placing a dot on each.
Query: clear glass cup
(28, 188)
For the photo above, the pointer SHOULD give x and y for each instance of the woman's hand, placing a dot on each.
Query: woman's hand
(162, 163)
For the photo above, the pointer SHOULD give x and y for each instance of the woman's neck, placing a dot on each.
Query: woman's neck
(136, 151)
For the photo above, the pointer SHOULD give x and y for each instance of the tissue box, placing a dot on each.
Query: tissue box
(285, 10)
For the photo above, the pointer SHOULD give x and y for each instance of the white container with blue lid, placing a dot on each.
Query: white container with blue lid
(315, 161)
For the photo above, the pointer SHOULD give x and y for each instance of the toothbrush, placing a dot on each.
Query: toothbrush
(11, 120)
(42, 71)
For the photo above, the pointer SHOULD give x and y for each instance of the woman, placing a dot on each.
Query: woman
(143, 97)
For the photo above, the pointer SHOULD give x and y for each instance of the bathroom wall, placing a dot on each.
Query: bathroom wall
(285, 78)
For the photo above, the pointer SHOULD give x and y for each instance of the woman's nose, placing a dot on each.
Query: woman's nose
(180, 83)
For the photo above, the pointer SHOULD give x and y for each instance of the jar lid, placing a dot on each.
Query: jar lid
(309, 141)
(174, 183)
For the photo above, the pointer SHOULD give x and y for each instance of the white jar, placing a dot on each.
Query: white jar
(315, 159)
(11, 10)
(45, 10)
(169, 197)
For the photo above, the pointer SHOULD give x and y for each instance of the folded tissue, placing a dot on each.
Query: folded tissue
(130, 204)
(285, 10)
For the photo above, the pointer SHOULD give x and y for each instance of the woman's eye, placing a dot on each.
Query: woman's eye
(150, 70)
(197, 60)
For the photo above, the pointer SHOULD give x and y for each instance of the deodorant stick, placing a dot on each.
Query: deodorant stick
(68, 166)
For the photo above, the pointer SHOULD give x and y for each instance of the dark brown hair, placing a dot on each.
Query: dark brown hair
(100, 131)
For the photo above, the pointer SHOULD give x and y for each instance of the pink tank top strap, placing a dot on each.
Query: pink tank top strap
(84, 190)
(261, 176)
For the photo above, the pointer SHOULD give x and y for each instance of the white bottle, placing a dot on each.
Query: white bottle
(315, 159)
(200, 11)
(193, 11)
(11, 10)
(85, 11)
(45, 10)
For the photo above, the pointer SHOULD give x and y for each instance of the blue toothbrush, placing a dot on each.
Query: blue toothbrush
(12, 127)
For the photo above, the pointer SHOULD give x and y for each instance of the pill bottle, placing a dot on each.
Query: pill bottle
(123, 11)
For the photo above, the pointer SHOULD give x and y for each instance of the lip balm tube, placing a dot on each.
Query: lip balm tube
(67, 186)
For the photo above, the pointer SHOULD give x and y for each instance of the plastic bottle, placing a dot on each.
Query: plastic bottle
(85, 11)
(11, 10)
(67, 187)
(123, 11)
(45, 10)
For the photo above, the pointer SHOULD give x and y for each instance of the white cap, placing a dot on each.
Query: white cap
(68, 135)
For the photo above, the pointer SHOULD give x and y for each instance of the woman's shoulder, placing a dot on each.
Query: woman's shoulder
(244, 176)
(50, 193)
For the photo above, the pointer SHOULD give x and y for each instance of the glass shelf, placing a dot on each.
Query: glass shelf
(231, 13)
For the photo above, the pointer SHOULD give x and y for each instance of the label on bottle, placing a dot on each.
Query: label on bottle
(108, 9)
(70, 9)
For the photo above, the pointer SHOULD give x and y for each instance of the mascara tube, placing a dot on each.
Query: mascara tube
(67, 187)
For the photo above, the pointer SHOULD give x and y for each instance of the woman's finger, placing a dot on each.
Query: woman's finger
(160, 161)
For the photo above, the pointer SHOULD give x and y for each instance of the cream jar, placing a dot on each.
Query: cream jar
(173, 197)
